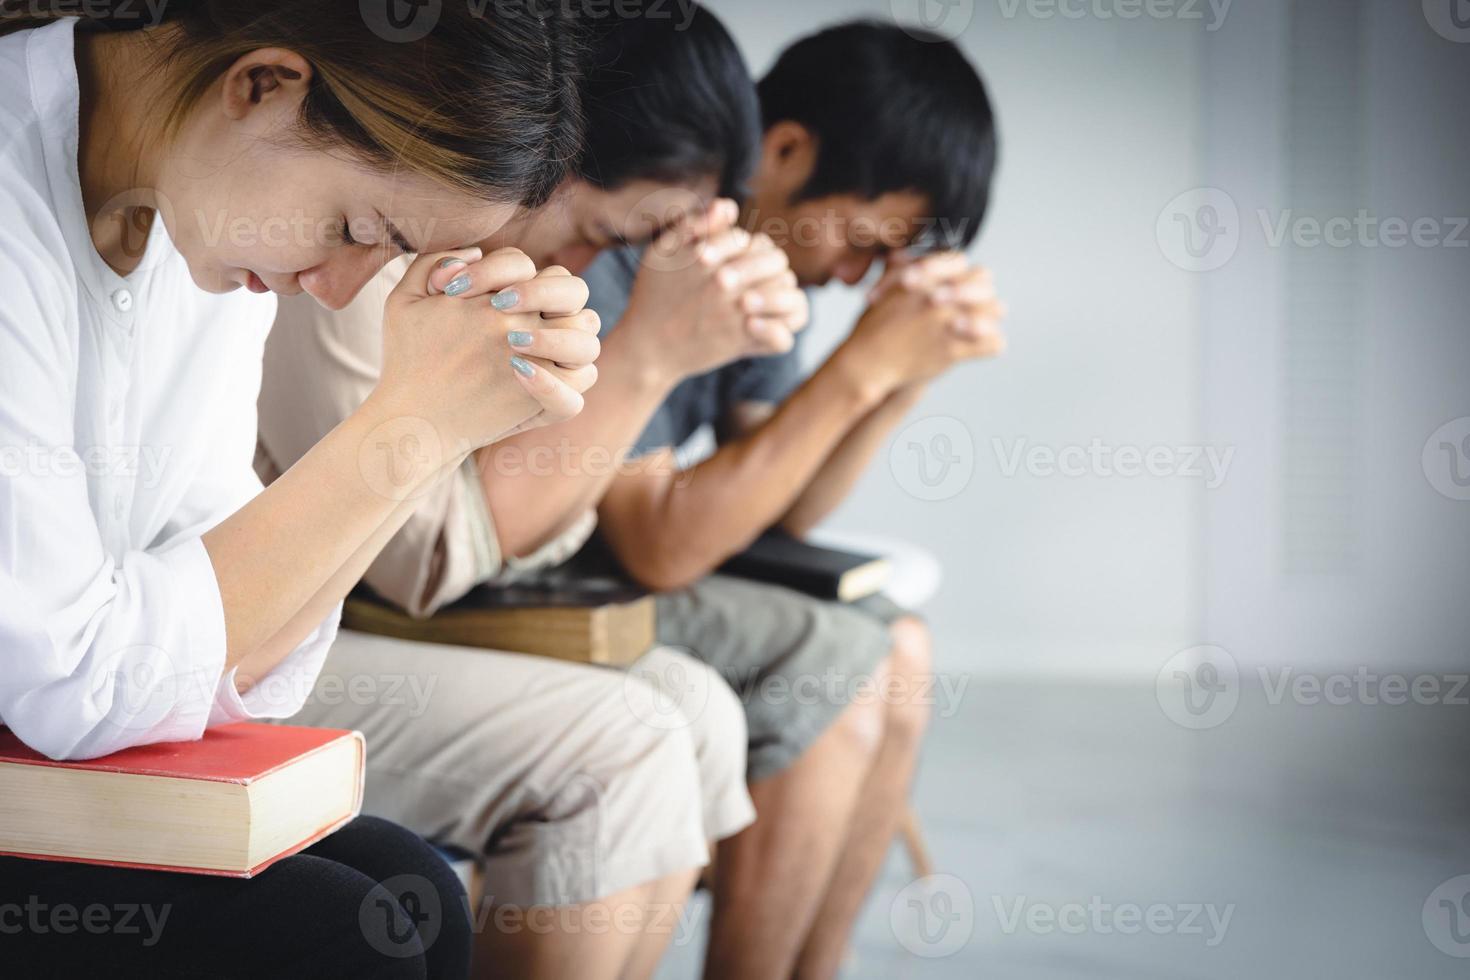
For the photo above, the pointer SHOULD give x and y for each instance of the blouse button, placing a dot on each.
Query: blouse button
(122, 300)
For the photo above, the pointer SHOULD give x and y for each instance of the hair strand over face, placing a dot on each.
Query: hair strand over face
(487, 101)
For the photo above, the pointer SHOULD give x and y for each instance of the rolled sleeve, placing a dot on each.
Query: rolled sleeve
(134, 658)
(282, 692)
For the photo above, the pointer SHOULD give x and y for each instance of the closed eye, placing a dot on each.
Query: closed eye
(393, 235)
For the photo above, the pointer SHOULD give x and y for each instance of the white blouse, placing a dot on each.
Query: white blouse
(127, 430)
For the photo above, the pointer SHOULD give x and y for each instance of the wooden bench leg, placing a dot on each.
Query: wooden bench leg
(913, 842)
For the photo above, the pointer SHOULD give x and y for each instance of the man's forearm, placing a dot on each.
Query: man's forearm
(538, 482)
(680, 529)
(841, 470)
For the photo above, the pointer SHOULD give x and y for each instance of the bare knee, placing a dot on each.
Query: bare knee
(909, 692)
(861, 726)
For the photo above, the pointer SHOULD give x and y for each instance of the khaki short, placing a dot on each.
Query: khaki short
(794, 661)
(571, 782)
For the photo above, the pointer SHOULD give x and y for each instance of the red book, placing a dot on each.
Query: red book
(233, 803)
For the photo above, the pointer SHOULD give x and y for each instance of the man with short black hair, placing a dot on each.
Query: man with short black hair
(879, 143)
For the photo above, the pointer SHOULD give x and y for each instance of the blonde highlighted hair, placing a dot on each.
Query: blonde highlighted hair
(486, 100)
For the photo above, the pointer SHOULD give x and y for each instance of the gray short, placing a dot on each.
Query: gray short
(793, 660)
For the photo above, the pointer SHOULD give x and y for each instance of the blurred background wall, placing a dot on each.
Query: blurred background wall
(1163, 167)
(1234, 241)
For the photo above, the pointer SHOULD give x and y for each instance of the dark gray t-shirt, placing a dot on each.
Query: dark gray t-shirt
(699, 401)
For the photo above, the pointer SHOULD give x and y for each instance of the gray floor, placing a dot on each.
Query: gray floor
(1322, 831)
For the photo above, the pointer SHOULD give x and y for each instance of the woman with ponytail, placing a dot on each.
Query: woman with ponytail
(156, 187)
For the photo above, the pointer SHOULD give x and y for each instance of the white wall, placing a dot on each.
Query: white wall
(1100, 128)
(1391, 594)
(1324, 371)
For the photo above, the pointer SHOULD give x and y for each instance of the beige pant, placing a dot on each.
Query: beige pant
(572, 782)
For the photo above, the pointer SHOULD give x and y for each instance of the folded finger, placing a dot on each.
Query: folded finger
(558, 399)
(770, 335)
(776, 300)
(586, 320)
(934, 269)
(752, 267)
(573, 348)
(893, 268)
(579, 379)
(717, 219)
(501, 268)
(715, 250)
(967, 292)
(422, 272)
(548, 295)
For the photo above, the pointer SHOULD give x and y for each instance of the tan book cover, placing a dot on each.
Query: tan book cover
(596, 623)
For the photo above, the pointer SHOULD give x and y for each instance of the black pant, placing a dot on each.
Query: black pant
(372, 900)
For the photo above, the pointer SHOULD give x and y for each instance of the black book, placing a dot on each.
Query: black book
(826, 573)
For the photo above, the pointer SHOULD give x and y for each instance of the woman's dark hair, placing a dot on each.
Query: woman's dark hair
(669, 100)
(485, 98)
(893, 109)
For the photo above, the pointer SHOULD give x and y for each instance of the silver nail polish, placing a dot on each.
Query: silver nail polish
(457, 285)
(522, 366)
(519, 338)
(505, 300)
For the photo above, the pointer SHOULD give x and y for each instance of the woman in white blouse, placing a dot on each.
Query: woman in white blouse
(157, 187)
